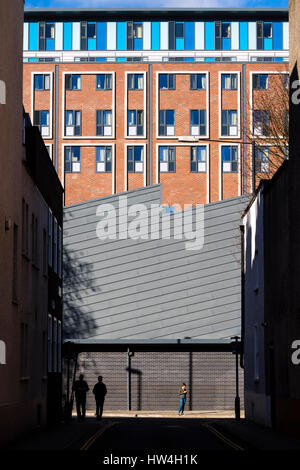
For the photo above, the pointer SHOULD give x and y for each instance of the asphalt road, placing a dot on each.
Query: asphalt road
(156, 436)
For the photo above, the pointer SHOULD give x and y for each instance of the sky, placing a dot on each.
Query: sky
(156, 3)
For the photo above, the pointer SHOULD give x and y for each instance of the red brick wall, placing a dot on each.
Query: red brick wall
(182, 187)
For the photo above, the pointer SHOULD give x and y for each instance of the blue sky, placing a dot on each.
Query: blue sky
(155, 3)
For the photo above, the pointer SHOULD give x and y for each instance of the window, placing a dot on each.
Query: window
(135, 122)
(72, 159)
(167, 159)
(256, 354)
(73, 82)
(73, 123)
(59, 255)
(42, 121)
(229, 159)
(25, 228)
(15, 264)
(103, 159)
(135, 81)
(134, 35)
(222, 35)
(264, 35)
(135, 159)
(50, 237)
(198, 81)
(262, 159)
(268, 30)
(167, 122)
(286, 80)
(226, 33)
(42, 82)
(198, 122)
(229, 123)
(260, 81)
(59, 338)
(104, 81)
(198, 159)
(54, 345)
(49, 343)
(166, 81)
(44, 252)
(46, 36)
(176, 35)
(24, 350)
(260, 122)
(91, 30)
(34, 240)
(104, 123)
(55, 245)
(229, 81)
(138, 30)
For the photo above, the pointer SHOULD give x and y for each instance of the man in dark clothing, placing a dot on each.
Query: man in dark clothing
(99, 391)
(80, 387)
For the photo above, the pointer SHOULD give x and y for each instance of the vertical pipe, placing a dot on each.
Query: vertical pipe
(56, 101)
(242, 229)
(244, 188)
(191, 381)
(253, 166)
(150, 117)
(129, 379)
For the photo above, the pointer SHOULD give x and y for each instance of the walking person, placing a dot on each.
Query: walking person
(182, 398)
(99, 391)
(80, 387)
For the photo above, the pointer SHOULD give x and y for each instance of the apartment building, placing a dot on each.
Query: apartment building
(130, 98)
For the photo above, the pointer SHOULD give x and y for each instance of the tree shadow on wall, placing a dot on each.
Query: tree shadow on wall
(78, 283)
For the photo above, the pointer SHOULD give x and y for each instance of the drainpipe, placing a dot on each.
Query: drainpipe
(242, 229)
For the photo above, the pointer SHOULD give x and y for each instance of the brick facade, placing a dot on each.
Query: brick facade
(179, 187)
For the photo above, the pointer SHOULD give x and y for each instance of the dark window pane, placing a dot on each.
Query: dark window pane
(170, 117)
(163, 81)
(179, 30)
(91, 30)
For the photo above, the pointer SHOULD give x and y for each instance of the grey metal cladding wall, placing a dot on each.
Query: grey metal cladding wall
(153, 289)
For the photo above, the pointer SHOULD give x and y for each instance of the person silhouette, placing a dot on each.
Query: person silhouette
(99, 391)
(80, 387)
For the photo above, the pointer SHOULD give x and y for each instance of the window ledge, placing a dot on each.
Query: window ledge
(24, 379)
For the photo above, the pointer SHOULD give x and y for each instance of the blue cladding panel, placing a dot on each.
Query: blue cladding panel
(226, 46)
(179, 44)
(277, 36)
(33, 36)
(101, 36)
(243, 36)
(137, 44)
(268, 44)
(50, 44)
(91, 44)
(189, 35)
(121, 36)
(209, 35)
(155, 36)
(67, 36)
